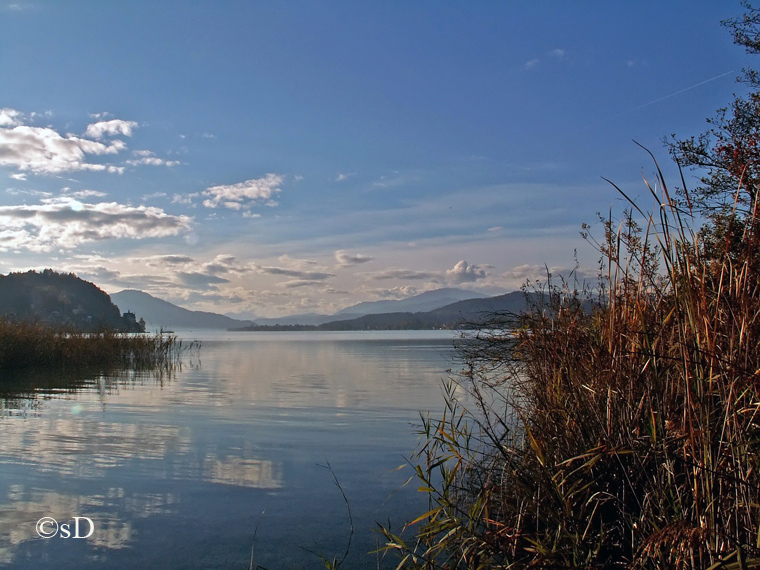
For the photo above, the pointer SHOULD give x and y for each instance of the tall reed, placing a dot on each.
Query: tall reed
(24, 345)
(616, 427)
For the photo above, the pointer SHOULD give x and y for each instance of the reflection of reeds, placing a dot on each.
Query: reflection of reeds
(627, 435)
(31, 345)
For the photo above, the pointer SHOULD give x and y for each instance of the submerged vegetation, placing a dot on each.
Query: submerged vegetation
(618, 426)
(34, 345)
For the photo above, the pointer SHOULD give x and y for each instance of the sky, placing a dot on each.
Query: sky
(266, 158)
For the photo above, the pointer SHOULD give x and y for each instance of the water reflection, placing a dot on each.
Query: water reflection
(255, 473)
(112, 511)
(206, 449)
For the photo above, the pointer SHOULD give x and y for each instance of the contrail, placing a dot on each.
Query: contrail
(674, 94)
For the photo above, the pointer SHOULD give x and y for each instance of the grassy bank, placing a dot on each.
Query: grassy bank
(27, 345)
(624, 436)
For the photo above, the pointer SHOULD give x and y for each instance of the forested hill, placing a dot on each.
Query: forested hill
(60, 299)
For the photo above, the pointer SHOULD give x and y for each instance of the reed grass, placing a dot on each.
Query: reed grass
(32, 345)
(617, 426)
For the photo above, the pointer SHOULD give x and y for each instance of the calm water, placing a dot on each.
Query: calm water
(181, 472)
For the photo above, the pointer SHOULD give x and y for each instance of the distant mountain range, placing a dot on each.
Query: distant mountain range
(64, 299)
(163, 314)
(427, 301)
(442, 308)
(461, 314)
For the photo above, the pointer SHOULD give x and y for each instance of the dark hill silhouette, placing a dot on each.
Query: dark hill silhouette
(60, 299)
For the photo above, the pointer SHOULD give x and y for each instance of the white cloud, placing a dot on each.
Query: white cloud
(402, 274)
(244, 194)
(348, 259)
(294, 283)
(226, 263)
(198, 280)
(297, 273)
(400, 292)
(162, 261)
(557, 53)
(35, 193)
(186, 271)
(186, 199)
(99, 273)
(111, 128)
(152, 161)
(395, 181)
(10, 118)
(462, 272)
(344, 176)
(153, 196)
(66, 223)
(18, 176)
(530, 273)
(43, 150)
(294, 262)
(84, 193)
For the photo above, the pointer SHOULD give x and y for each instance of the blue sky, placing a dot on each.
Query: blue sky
(270, 158)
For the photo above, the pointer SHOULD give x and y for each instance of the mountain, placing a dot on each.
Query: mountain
(426, 301)
(462, 314)
(60, 299)
(363, 316)
(311, 319)
(476, 310)
(423, 302)
(455, 315)
(159, 313)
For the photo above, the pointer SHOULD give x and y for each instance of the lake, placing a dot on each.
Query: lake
(226, 456)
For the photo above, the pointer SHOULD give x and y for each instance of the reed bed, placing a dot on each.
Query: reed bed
(617, 426)
(31, 345)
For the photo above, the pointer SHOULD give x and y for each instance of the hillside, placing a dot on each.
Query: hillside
(59, 299)
(163, 314)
